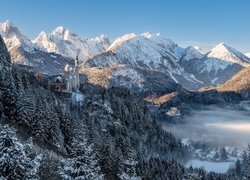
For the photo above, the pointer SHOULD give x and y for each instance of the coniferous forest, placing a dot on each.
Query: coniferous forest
(124, 90)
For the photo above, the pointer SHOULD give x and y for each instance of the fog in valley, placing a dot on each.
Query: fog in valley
(217, 126)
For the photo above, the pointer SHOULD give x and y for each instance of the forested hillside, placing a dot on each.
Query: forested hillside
(108, 135)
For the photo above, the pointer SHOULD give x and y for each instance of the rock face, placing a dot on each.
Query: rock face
(68, 44)
(49, 53)
(128, 56)
(24, 52)
(138, 80)
(240, 82)
(13, 37)
(218, 65)
(189, 66)
(148, 52)
(229, 54)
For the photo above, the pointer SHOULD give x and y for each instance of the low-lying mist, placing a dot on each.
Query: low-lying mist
(219, 126)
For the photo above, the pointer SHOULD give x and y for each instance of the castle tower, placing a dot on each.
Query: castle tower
(71, 76)
(77, 80)
(76, 62)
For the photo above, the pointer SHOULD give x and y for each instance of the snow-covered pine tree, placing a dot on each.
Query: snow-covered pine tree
(109, 161)
(14, 163)
(9, 100)
(26, 107)
(66, 124)
(223, 154)
(244, 160)
(39, 122)
(238, 168)
(49, 166)
(83, 163)
(246, 173)
(130, 167)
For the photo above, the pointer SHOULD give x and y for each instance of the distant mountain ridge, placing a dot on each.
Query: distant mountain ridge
(189, 67)
(149, 52)
(227, 53)
(13, 37)
(68, 44)
(45, 55)
(218, 65)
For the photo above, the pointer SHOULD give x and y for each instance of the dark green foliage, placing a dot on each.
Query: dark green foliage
(238, 168)
(246, 172)
(49, 168)
(15, 163)
(223, 154)
(127, 141)
(82, 163)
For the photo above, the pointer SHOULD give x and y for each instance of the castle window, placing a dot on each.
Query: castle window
(58, 88)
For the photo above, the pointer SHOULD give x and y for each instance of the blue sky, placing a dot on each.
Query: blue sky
(195, 22)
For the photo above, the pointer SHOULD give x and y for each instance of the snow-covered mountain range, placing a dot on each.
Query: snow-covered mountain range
(24, 52)
(229, 54)
(68, 44)
(49, 53)
(189, 67)
(149, 52)
(218, 65)
(13, 37)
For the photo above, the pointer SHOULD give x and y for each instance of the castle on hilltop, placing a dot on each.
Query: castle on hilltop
(68, 82)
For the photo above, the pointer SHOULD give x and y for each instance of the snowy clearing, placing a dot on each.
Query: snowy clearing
(219, 167)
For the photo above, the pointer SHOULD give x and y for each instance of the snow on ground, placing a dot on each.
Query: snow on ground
(192, 53)
(213, 64)
(77, 98)
(214, 80)
(53, 56)
(67, 43)
(185, 141)
(219, 167)
(129, 76)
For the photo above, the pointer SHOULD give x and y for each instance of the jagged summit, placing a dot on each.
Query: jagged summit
(227, 53)
(145, 51)
(218, 65)
(156, 42)
(192, 53)
(13, 37)
(120, 40)
(6, 25)
(60, 29)
(55, 42)
(42, 35)
(62, 33)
